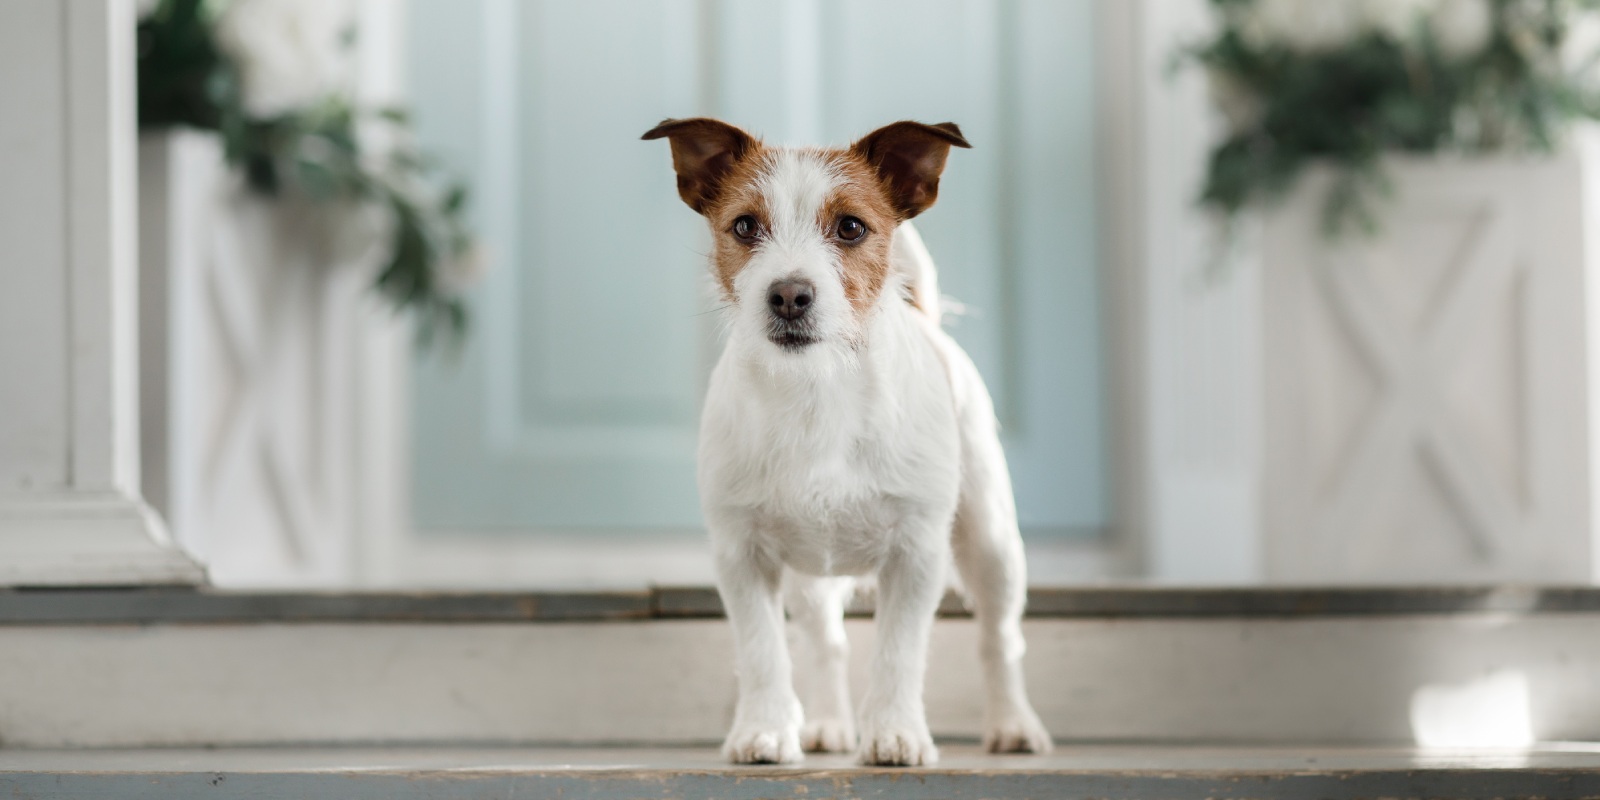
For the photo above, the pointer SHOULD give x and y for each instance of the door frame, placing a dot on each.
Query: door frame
(1181, 375)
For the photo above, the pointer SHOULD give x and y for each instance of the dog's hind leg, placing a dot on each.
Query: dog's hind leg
(816, 607)
(987, 547)
(995, 578)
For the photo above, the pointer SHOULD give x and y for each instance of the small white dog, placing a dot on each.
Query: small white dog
(844, 434)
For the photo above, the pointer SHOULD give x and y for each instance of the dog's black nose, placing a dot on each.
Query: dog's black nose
(790, 299)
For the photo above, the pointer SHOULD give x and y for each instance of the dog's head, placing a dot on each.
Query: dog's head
(802, 236)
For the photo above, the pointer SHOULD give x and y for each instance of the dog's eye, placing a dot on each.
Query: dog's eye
(745, 228)
(851, 229)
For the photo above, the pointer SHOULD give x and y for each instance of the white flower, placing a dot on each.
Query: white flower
(1397, 19)
(355, 232)
(459, 272)
(290, 53)
(1302, 25)
(1240, 106)
(1582, 43)
(1462, 27)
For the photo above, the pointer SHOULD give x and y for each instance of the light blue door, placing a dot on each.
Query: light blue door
(573, 405)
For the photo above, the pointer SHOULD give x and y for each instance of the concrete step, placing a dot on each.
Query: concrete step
(171, 668)
(1146, 772)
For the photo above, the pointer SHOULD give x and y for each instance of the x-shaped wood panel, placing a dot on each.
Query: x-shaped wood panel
(1410, 419)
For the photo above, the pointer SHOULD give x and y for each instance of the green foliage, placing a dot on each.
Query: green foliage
(1350, 105)
(316, 152)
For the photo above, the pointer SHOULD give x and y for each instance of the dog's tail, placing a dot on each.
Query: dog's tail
(909, 256)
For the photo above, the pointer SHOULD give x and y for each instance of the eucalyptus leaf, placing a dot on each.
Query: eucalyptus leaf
(186, 79)
(1373, 95)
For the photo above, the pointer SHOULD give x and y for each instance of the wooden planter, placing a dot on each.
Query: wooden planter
(1427, 391)
(252, 320)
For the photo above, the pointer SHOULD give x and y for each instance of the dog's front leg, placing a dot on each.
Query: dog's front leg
(816, 607)
(894, 724)
(766, 722)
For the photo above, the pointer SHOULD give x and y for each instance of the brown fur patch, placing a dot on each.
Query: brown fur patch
(909, 158)
(861, 193)
(740, 196)
(890, 175)
(865, 263)
(704, 152)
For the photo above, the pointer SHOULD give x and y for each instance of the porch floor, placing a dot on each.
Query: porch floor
(1074, 770)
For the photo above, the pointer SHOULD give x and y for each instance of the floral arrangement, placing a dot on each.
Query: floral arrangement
(270, 77)
(1345, 81)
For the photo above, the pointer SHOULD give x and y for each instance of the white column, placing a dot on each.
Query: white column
(1183, 337)
(70, 505)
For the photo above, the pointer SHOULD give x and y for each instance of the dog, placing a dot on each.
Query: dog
(845, 434)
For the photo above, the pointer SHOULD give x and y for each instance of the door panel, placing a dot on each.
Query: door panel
(574, 403)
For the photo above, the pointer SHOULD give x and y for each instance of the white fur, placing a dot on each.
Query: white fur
(872, 451)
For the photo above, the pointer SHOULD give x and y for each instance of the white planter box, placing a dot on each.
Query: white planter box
(1427, 392)
(252, 338)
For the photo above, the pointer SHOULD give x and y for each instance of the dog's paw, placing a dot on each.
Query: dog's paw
(1018, 732)
(763, 746)
(828, 736)
(907, 746)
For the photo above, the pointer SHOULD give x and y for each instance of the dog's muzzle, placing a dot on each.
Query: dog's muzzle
(789, 301)
(791, 298)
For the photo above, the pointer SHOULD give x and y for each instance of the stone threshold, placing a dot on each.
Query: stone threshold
(159, 605)
(1074, 770)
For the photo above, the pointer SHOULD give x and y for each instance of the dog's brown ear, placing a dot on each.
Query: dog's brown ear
(909, 158)
(703, 153)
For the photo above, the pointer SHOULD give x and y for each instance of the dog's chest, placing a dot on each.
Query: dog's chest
(833, 509)
(830, 492)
